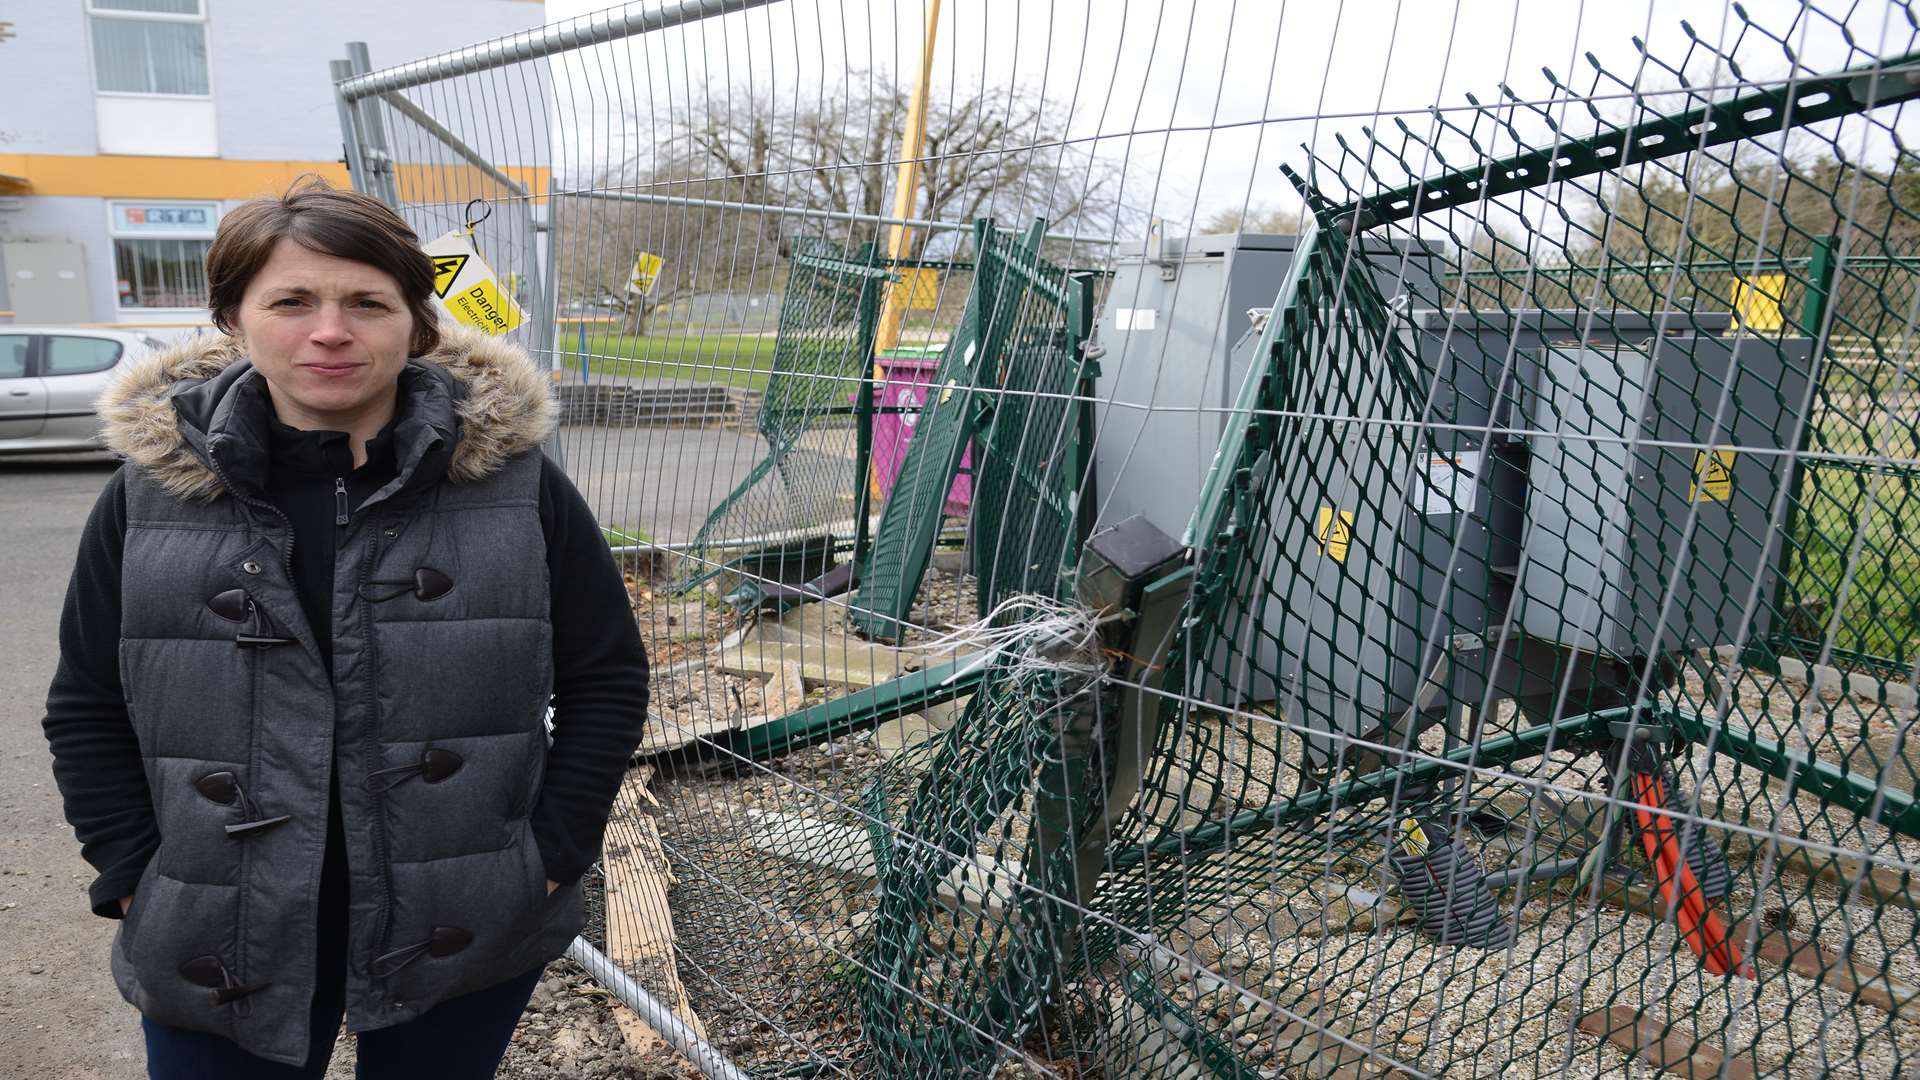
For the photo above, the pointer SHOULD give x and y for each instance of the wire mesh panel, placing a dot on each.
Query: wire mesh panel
(1034, 451)
(807, 488)
(1012, 345)
(1449, 748)
(1514, 674)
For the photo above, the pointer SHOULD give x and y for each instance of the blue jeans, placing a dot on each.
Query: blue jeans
(462, 1038)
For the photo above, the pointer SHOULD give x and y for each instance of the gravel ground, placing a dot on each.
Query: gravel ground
(567, 1033)
(771, 947)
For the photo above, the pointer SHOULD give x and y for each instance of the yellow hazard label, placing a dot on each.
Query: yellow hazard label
(1757, 302)
(484, 307)
(1413, 838)
(646, 271)
(1334, 532)
(467, 287)
(445, 269)
(1712, 476)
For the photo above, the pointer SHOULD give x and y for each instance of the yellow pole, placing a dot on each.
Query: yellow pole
(906, 187)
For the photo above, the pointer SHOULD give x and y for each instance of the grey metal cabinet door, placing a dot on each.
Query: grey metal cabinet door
(23, 399)
(74, 368)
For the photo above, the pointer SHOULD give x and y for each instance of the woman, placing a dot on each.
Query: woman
(315, 626)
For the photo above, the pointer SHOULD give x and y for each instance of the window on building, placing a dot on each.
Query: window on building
(79, 355)
(160, 251)
(150, 47)
(161, 273)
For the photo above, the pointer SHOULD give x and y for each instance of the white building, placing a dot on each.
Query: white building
(128, 126)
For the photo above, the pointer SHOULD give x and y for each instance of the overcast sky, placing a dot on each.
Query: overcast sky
(1202, 99)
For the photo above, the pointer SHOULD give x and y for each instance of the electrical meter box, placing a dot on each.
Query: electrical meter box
(1175, 330)
(1657, 475)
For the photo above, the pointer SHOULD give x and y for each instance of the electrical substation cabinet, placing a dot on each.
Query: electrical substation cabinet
(1574, 473)
(1659, 470)
(1177, 341)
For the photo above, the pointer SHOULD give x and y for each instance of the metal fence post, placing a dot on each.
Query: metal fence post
(1813, 313)
(543, 238)
(868, 315)
(378, 158)
(349, 126)
(1813, 319)
(1080, 478)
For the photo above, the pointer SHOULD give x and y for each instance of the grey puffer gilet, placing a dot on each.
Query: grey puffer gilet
(433, 717)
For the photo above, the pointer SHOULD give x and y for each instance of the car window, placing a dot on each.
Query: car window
(80, 355)
(13, 355)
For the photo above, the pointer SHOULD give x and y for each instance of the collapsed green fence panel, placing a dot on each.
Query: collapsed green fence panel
(1033, 454)
(811, 482)
(1007, 274)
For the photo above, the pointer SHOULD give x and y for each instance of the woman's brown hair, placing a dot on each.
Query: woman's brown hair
(344, 224)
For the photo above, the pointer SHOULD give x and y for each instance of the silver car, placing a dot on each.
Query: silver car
(50, 377)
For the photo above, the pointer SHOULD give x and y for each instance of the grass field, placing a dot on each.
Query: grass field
(1867, 516)
(726, 359)
(735, 360)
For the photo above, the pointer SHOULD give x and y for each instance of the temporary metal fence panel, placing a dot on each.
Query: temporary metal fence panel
(1036, 447)
(1533, 702)
(1530, 689)
(809, 490)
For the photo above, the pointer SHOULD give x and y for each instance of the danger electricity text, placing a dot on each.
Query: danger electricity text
(483, 306)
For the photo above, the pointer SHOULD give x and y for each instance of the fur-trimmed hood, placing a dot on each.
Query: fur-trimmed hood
(477, 400)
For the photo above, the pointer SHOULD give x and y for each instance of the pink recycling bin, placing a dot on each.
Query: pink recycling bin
(908, 376)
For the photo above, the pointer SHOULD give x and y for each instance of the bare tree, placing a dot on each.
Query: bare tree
(991, 152)
(1254, 219)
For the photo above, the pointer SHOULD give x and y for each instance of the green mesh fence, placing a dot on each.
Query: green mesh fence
(1012, 354)
(1452, 770)
(807, 495)
(1449, 764)
(1035, 446)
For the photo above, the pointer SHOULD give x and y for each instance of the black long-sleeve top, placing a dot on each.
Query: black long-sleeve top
(600, 670)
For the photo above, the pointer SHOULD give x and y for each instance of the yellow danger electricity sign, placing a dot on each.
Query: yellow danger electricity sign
(646, 271)
(484, 307)
(1757, 302)
(1334, 532)
(445, 269)
(467, 288)
(1712, 476)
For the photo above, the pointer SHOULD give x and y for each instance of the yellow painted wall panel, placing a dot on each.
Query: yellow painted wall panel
(123, 177)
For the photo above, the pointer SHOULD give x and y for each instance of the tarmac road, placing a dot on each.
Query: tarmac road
(60, 1017)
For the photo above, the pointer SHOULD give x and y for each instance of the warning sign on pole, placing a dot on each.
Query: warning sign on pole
(1712, 476)
(1334, 531)
(922, 286)
(467, 287)
(646, 271)
(1757, 302)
